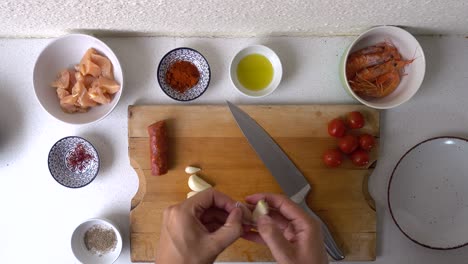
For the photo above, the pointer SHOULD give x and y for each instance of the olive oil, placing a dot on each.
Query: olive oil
(255, 72)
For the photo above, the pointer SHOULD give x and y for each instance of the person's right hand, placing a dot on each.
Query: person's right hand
(289, 232)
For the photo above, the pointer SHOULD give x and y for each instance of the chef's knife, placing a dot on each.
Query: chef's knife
(291, 180)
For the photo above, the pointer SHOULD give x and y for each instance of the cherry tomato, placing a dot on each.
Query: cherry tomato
(332, 158)
(336, 128)
(360, 157)
(366, 141)
(348, 144)
(355, 120)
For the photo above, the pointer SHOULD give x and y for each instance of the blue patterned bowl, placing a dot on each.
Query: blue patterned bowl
(190, 55)
(73, 162)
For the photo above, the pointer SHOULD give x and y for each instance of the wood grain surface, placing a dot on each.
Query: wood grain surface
(208, 137)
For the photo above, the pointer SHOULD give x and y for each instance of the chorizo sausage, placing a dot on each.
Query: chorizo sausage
(159, 147)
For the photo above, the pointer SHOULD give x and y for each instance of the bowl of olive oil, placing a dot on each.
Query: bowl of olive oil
(256, 71)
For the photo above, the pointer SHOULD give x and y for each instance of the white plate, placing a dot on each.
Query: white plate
(427, 193)
(83, 254)
(274, 60)
(65, 52)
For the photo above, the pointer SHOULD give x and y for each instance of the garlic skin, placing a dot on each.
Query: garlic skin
(190, 194)
(260, 209)
(191, 170)
(197, 184)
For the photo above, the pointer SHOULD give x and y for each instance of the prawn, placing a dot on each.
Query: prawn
(383, 86)
(371, 73)
(371, 56)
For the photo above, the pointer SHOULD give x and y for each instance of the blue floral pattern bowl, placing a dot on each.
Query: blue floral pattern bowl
(190, 55)
(73, 162)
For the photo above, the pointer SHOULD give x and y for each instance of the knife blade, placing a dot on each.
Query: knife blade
(290, 179)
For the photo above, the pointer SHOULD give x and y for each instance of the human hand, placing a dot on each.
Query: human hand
(290, 233)
(199, 229)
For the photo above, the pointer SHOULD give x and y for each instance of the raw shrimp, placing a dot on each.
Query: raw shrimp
(383, 86)
(360, 62)
(371, 73)
(370, 56)
(368, 50)
(388, 82)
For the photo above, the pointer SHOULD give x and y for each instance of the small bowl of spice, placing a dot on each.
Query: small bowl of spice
(96, 241)
(184, 74)
(73, 162)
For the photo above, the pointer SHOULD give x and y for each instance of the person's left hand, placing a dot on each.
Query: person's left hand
(199, 229)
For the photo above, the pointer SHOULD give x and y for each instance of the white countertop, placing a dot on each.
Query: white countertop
(39, 215)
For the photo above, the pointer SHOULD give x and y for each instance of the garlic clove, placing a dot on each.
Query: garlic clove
(191, 170)
(190, 194)
(260, 209)
(197, 184)
(246, 214)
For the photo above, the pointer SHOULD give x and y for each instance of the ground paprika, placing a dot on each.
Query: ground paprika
(182, 75)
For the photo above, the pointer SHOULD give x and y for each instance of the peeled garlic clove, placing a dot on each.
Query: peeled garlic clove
(197, 184)
(191, 170)
(260, 209)
(190, 194)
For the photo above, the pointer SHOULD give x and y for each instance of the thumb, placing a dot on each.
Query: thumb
(271, 234)
(231, 230)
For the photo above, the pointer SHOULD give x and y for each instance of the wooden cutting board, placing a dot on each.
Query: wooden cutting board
(208, 137)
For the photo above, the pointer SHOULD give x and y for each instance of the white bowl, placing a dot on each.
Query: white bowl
(408, 47)
(65, 52)
(274, 60)
(80, 251)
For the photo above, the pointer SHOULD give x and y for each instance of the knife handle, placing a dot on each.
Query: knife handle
(330, 244)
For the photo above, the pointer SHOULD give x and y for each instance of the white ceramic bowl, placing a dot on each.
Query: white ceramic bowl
(65, 52)
(274, 60)
(427, 190)
(408, 47)
(80, 251)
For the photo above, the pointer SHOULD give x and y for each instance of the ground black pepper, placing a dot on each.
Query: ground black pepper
(100, 240)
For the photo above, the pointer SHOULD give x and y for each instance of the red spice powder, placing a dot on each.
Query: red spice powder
(182, 75)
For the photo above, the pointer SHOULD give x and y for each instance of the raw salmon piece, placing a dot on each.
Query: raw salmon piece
(105, 65)
(108, 85)
(98, 95)
(63, 80)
